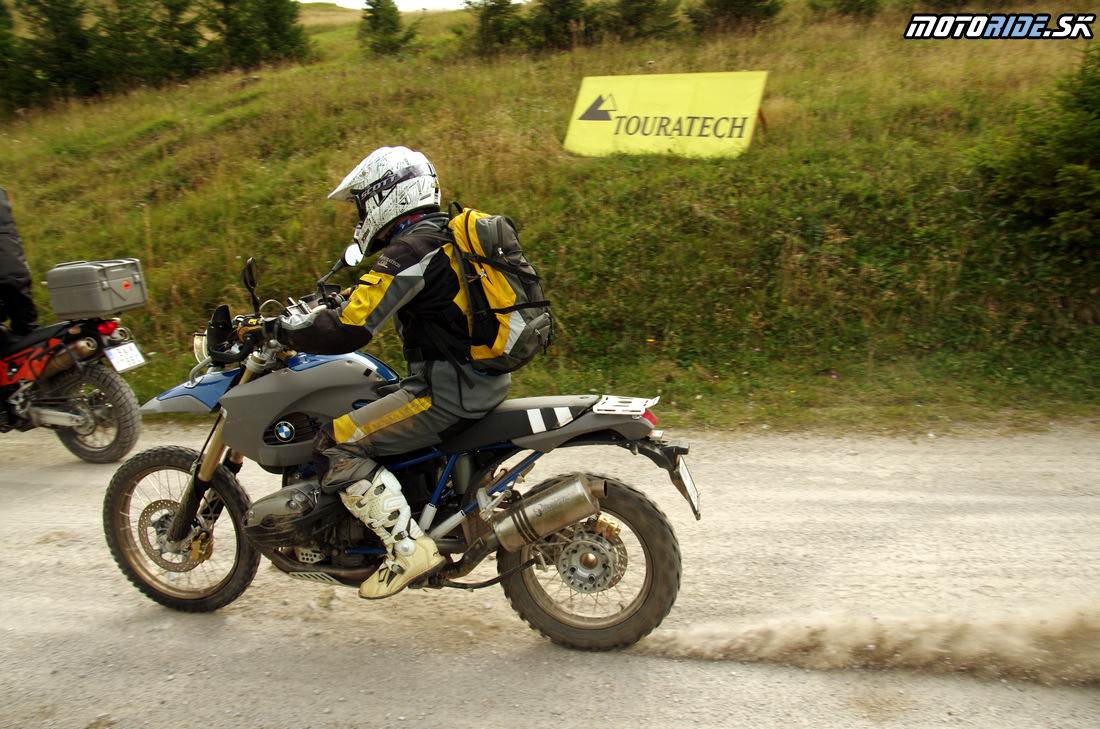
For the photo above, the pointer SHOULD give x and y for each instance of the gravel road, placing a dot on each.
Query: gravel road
(832, 583)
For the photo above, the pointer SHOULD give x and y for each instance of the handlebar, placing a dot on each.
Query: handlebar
(222, 342)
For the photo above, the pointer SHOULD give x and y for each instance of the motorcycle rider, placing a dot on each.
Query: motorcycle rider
(15, 275)
(396, 191)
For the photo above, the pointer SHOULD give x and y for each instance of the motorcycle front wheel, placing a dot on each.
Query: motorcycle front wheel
(213, 566)
(113, 420)
(601, 583)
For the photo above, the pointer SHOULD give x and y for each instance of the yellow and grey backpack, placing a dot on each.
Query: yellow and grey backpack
(509, 315)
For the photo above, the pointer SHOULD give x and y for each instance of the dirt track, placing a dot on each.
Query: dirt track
(934, 582)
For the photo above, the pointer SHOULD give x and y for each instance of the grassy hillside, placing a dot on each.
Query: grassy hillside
(838, 273)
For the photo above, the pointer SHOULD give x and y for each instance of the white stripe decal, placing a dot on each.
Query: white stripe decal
(564, 416)
(535, 418)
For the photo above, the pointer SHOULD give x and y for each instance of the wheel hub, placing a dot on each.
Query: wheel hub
(83, 409)
(595, 558)
(153, 530)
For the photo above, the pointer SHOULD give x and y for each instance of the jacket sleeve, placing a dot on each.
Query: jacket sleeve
(322, 333)
(394, 280)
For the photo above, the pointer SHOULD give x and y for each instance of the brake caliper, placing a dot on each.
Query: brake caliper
(202, 546)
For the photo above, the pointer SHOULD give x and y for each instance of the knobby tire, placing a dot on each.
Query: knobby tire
(138, 506)
(117, 417)
(544, 599)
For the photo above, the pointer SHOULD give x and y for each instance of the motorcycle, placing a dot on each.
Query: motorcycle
(586, 560)
(55, 377)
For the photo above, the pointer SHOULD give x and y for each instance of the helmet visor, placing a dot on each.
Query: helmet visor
(375, 193)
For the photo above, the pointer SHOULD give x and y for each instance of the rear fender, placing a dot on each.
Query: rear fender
(664, 453)
(628, 427)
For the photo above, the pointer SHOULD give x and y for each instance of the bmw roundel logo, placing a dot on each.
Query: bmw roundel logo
(284, 431)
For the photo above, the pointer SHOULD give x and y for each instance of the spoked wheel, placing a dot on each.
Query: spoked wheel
(207, 570)
(110, 410)
(605, 582)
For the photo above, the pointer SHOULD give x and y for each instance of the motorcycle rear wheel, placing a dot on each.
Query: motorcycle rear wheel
(602, 583)
(216, 565)
(114, 421)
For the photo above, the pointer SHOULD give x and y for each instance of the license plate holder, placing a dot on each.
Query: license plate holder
(125, 357)
(685, 484)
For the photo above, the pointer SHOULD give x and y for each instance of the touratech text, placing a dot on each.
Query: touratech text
(721, 127)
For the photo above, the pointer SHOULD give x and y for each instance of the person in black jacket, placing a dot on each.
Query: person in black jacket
(16, 303)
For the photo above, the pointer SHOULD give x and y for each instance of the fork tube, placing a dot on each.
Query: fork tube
(213, 455)
(193, 493)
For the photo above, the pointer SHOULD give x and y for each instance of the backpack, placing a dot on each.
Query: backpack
(509, 316)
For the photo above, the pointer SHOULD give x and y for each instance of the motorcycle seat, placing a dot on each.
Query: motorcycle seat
(519, 417)
(10, 343)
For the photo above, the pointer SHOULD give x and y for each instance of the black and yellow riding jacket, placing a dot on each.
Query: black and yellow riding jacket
(415, 282)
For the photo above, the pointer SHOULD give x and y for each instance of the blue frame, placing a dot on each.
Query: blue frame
(441, 487)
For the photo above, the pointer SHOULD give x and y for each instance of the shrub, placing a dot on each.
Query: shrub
(635, 19)
(859, 9)
(381, 29)
(497, 25)
(721, 15)
(559, 25)
(1047, 175)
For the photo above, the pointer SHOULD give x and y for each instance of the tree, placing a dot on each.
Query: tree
(1048, 175)
(176, 53)
(720, 15)
(237, 44)
(283, 37)
(381, 30)
(123, 42)
(562, 24)
(635, 19)
(136, 42)
(59, 52)
(497, 25)
(251, 32)
(11, 95)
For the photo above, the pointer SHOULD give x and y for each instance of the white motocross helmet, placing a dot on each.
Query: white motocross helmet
(389, 183)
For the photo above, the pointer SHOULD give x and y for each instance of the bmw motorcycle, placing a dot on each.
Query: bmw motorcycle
(586, 560)
(66, 376)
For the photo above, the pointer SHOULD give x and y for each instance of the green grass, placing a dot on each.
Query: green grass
(838, 275)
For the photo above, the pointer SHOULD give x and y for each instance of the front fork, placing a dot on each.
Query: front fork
(212, 456)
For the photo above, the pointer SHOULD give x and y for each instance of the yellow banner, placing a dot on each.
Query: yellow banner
(684, 114)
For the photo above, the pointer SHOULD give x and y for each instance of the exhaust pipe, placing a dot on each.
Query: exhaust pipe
(79, 350)
(547, 511)
(535, 517)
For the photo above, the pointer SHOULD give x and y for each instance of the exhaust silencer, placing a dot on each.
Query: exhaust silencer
(536, 516)
(77, 351)
(547, 511)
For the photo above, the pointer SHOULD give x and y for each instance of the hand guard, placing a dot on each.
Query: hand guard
(257, 331)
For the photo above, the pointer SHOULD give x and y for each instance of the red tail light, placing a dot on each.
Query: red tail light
(107, 328)
(648, 415)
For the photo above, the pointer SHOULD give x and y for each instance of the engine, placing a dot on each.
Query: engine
(317, 526)
(294, 516)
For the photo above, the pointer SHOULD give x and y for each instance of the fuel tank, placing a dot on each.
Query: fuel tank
(273, 419)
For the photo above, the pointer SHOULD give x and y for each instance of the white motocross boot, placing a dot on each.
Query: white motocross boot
(380, 505)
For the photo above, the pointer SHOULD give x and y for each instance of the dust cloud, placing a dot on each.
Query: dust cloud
(1054, 646)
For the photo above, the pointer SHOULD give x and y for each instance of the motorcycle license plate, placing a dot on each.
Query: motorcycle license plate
(125, 357)
(682, 480)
